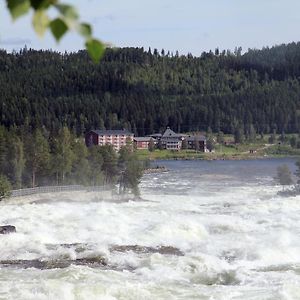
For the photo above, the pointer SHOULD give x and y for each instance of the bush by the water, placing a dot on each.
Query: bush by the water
(292, 192)
(5, 187)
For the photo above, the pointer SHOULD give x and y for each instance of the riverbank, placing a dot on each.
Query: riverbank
(221, 152)
(70, 196)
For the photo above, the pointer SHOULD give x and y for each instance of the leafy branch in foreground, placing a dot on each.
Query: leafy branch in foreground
(67, 19)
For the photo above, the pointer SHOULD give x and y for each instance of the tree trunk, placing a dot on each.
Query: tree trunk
(33, 178)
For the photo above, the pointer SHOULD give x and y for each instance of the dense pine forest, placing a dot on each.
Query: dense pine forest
(49, 100)
(147, 90)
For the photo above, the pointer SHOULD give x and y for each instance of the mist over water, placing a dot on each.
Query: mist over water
(205, 230)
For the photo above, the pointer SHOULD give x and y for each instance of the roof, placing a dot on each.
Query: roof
(192, 138)
(171, 140)
(142, 138)
(171, 134)
(155, 135)
(112, 132)
(168, 133)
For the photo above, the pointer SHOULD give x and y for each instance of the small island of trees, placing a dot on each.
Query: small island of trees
(284, 178)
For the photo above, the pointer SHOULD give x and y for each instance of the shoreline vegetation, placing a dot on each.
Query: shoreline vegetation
(37, 158)
(41, 158)
(259, 149)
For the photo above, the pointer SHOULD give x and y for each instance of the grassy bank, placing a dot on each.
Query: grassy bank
(229, 152)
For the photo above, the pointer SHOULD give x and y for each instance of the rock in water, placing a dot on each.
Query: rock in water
(7, 229)
(92, 262)
(164, 250)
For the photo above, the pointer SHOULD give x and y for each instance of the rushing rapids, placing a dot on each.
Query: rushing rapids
(206, 230)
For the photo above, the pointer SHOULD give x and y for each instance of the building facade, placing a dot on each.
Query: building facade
(142, 142)
(116, 138)
(196, 142)
(171, 140)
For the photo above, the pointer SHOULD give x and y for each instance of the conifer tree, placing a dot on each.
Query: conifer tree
(109, 166)
(151, 146)
(95, 159)
(5, 187)
(16, 160)
(63, 155)
(80, 173)
(37, 154)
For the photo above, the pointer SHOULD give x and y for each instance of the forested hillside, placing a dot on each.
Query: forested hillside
(146, 90)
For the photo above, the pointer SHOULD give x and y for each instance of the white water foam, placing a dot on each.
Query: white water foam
(239, 242)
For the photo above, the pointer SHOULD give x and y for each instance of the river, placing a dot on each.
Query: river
(205, 230)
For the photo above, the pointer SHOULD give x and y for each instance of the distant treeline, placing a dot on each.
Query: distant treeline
(37, 158)
(147, 90)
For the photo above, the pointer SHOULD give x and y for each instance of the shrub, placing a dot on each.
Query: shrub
(5, 187)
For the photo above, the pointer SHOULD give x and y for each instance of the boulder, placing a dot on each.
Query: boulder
(164, 250)
(92, 262)
(7, 229)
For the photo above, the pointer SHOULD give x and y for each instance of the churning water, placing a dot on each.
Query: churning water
(206, 230)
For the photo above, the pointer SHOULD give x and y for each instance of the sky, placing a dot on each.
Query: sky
(190, 26)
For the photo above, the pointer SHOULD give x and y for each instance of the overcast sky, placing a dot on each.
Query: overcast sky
(187, 26)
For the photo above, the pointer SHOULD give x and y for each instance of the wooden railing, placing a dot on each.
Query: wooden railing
(55, 189)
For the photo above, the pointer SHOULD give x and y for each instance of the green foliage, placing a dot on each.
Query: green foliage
(3, 149)
(251, 133)
(5, 187)
(96, 165)
(41, 158)
(210, 143)
(184, 144)
(37, 154)
(220, 137)
(95, 49)
(282, 137)
(272, 138)
(131, 170)
(67, 19)
(297, 172)
(132, 88)
(40, 22)
(284, 175)
(18, 8)
(239, 135)
(63, 155)
(283, 150)
(15, 160)
(160, 145)
(81, 168)
(68, 11)
(151, 145)
(58, 28)
(293, 141)
(109, 166)
(42, 4)
(85, 30)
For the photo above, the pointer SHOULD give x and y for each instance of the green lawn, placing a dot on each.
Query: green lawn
(261, 148)
(221, 152)
(169, 154)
